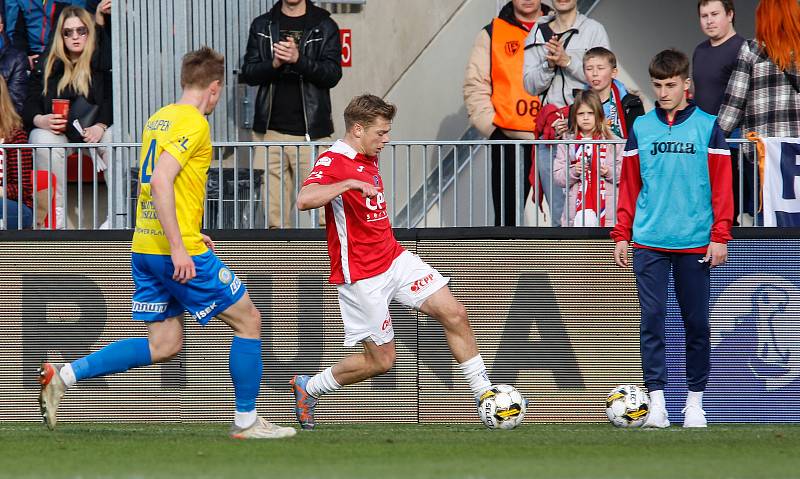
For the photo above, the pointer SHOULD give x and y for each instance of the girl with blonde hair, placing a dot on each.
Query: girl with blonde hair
(69, 74)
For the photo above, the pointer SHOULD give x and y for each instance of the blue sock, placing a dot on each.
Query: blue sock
(114, 358)
(245, 367)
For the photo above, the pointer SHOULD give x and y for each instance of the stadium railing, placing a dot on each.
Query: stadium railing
(426, 184)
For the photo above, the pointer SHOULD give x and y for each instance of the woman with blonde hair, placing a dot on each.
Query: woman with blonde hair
(16, 167)
(763, 94)
(69, 74)
(589, 171)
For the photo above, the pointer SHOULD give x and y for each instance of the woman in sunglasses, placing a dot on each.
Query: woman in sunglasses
(69, 100)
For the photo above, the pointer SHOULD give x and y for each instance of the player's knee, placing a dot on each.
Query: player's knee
(250, 324)
(454, 316)
(383, 362)
(166, 348)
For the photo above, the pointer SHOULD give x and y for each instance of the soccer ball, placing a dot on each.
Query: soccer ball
(627, 406)
(502, 407)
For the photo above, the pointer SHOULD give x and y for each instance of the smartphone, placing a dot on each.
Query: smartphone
(78, 126)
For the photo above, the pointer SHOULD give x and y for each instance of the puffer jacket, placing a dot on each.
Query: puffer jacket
(319, 67)
(14, 68)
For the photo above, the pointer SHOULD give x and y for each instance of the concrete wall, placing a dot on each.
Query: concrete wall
(639, 29)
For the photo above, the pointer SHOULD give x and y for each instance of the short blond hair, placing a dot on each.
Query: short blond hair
(367, 108)
(200, 68)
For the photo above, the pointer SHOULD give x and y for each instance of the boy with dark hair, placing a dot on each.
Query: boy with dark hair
(676, 206)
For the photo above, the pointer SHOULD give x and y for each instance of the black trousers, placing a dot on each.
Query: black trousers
(504, 176)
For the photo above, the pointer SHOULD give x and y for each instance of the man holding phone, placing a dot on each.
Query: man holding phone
(294, 57)
(553, 69)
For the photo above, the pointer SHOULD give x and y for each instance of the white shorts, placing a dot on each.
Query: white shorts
(365, 303)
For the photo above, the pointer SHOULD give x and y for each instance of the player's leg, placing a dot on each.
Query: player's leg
(421, 287)
(151, 303)
(365, 313)
(693, 291)
(652, 279)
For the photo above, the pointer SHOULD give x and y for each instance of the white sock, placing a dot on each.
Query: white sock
(475, 373)
(657, 400)
(695, 398)
(68, 375)
(322, 383)
(244, 420)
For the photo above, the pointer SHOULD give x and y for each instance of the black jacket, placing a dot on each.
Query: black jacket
(319, 67)
(14, 68)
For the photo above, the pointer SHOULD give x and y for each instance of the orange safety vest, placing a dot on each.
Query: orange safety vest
(515, 108)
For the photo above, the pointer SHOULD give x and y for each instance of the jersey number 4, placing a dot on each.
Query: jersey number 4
(149, 163)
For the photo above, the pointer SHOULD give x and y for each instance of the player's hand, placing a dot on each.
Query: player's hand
(286, 51)
(366, 189)
(716, 254)
(93, 134)
(621, 254)
(55, 124)
(184, 266)
(208, 242)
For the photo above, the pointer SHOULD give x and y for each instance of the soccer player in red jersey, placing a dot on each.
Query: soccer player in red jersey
(369, 267)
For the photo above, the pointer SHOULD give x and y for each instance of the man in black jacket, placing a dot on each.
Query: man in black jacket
(294, 57)
(14, 69)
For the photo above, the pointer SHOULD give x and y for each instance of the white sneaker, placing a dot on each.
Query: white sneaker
(61, 217)
(694, 416)
(53, 389)
(262, 429)
(657, 418)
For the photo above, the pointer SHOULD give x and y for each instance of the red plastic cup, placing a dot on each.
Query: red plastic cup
(61, 107)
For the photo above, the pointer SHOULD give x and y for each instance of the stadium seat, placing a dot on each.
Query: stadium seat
(87, 166)
(42, 182)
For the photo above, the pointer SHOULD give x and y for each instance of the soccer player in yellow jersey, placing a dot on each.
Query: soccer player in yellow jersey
(173, 264)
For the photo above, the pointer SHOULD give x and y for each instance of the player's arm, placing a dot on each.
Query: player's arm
(162, 188)
(315, 195)
(719, 171)
(630, 183)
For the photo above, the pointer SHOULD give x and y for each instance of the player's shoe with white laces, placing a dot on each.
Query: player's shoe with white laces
(53, 389)
(657, 418)
(262, 429)
(694, 416)
(304, 402)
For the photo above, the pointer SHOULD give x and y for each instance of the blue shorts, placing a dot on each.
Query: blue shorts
(158, 296)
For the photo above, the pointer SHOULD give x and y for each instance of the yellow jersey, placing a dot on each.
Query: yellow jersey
(184, 133)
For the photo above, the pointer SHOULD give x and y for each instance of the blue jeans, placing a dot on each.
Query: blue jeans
(554, 196)
(12, 222)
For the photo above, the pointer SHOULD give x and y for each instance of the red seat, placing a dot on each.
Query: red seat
(87, 167)
(42, 182)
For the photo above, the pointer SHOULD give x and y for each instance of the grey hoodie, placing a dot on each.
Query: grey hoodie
(558, 83)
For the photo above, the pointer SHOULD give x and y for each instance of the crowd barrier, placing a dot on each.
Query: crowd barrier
(550, 311)
(427, 184)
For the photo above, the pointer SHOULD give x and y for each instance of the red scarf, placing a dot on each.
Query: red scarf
(587, 196)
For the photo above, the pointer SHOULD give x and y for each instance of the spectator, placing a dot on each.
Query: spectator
(763, 93)
(294, 57)
(712, 64)
(620, 107)
(68, 73)
(30, 23)
(583, 164)
(14, 69)
(11, 159)
(553, 68)
(498, 105)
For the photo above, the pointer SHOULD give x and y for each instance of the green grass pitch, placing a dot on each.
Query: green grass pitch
(400, 451)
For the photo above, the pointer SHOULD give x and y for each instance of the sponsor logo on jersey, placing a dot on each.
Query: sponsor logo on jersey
(139, 307)
(422, 283)
(684, 148)
(202, 314)
(225, 276)
(376, 204)
(376, 180)
(360, 168)
(315, 175)
(323, 161)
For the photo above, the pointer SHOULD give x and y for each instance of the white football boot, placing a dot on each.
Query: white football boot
(657, 418)
(694, 416)
(53, 389)
(262, 429)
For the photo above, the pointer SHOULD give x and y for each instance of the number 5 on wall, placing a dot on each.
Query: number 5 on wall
(346, 36)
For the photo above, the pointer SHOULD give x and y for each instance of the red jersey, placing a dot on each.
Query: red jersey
(361, 243)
